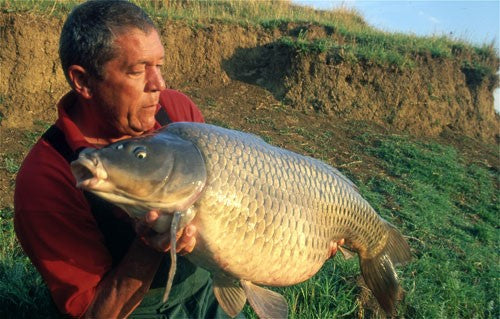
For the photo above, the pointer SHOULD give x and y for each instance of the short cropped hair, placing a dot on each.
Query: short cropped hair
(87, 37)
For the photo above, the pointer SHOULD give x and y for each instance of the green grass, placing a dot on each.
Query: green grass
(10, 164)
(445, 204)
(451, 207)
(22, 291)
(56, 8)
(11, 161)
(396, 50)
(268, 13)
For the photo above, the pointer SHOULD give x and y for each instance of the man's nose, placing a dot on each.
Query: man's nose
(154, 80)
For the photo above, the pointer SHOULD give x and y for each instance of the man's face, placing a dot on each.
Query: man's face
(128, 95)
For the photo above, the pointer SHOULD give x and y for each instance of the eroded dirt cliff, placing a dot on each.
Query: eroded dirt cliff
(433, 96)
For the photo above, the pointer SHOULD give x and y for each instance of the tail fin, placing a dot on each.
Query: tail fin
(379, 272)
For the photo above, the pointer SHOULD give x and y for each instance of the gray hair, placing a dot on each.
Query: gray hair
(87, 37)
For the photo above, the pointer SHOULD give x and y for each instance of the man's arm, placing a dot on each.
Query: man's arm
(124, 287)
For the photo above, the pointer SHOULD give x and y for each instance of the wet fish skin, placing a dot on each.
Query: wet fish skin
(166, 174)
(267, 216)
(286, 209)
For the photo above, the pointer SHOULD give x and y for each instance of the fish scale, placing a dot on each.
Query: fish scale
(264, 215)
(297, 210)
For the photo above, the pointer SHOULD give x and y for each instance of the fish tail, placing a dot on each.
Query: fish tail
(379, 272)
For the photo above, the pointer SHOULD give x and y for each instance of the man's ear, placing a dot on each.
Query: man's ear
(80, 80)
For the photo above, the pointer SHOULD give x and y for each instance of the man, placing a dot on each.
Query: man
(86, 250)
(111, 55)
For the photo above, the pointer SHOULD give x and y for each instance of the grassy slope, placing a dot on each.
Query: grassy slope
(446, 201)
(441, 197)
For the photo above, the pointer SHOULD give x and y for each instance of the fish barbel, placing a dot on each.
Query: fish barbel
(264, 215)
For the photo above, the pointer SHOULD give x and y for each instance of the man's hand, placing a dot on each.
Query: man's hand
(185, 237)
(334, 246)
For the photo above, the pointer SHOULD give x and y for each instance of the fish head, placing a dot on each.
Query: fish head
(157, 171)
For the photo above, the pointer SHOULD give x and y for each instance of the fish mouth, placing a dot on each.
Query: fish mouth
(89, 172)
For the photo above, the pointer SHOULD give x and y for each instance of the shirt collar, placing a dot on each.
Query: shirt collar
(75, 138)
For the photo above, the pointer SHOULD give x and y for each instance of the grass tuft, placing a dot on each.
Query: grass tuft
(450, 209)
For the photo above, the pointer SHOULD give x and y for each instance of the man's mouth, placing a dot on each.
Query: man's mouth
(149, 107)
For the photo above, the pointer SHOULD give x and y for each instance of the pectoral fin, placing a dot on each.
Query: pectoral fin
(173, 255)
(230, 295)
(266, 303)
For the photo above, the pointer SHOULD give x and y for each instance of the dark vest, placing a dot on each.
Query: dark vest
(191, 295)
(118, 233)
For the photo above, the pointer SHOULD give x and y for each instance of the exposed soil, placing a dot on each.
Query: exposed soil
(434, 96)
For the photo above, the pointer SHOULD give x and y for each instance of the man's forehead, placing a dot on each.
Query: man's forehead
(135, 45)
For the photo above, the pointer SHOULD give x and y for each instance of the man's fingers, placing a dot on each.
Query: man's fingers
(185, 243)
(334, 246)
(161, 241)
(151, 217)
(189, 230)
(187, 240)
(187, 247)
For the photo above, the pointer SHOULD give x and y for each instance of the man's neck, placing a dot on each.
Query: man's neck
(91, 124)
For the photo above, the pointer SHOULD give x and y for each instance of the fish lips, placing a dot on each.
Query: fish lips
(89, 172)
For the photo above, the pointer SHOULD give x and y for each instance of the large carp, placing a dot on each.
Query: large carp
(264, 215)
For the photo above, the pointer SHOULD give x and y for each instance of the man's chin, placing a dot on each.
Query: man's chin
(145, 127)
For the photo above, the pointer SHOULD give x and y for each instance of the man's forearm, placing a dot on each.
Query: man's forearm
(120, 291)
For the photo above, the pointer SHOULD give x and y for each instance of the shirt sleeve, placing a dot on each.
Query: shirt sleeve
(52, 222)
(179, 107)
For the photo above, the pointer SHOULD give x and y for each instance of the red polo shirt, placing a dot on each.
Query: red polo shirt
(53, 220)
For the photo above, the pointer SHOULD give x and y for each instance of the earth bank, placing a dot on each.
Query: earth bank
(434, 96)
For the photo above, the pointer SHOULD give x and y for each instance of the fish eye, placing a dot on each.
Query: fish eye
(140, 153)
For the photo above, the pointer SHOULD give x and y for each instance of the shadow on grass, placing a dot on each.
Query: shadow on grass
(23, 293)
